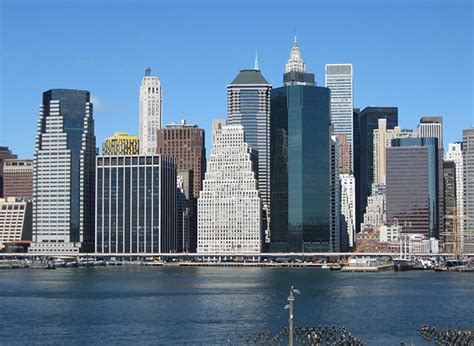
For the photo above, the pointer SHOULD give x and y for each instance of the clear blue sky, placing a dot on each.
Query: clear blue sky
(417, 55)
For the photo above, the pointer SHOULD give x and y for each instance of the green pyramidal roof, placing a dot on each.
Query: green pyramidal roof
(249, 77)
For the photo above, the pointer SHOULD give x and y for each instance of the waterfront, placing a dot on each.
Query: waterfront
(178, 305)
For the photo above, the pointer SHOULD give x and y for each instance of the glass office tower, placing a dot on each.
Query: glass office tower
(300, 161)
(136, 205)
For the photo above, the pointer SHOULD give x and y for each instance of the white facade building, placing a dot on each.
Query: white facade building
(339, 81)
(15, 217)
(432, 126)
(454, 153)
(229, 206)
(348, 205)
(150, 113)
(217, 125)
(375, 212)
(295, 63)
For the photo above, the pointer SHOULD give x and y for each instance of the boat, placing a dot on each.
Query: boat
(454, 265)
(403, 264)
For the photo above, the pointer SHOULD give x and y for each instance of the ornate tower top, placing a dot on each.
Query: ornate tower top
(295, 63)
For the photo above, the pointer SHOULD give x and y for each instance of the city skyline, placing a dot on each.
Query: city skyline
(417, 76)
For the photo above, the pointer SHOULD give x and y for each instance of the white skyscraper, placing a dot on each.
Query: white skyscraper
(295, 63)
(454, 153)
(432, 127)
(217, 125)
(348, 205)
(150, 113)
(229, 206)
(339, 81)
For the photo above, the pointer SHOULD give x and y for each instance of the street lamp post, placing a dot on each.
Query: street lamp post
(290, 306)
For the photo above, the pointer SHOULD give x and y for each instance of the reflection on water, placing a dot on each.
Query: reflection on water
(171, 305)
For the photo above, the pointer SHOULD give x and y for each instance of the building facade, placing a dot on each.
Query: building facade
(348, 208)
(431, 126)
(450, 239)
(186, 212)
(367, 122)
(5, 154)
(468, 210)
(121, 144)
(150, 112)
(135, 205)
(64, 173)
(339, 81)
(229, 207)
(15, 220)
(454, 154)
(300, 171)
(18, 178)
(248, 104)
(186, 144)
(412, 185)
(336, 239)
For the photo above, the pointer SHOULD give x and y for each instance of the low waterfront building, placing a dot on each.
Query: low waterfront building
(229, 207)
(18, 178)
(121, 144)
(135, 205)
(15, 220)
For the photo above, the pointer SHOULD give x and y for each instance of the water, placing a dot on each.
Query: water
(172, 305)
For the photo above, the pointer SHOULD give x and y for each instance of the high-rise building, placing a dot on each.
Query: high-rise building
(335, 188)
(345, 155)
(382, 140)
(300, 169)
(186, 144)
(135, 205)
(431, 126)
(339, 81)
(454, 153)
(412, 185)
(186, 212)
(468, 210)
(217, 125)
(64, 173)
(15, 220)
(150, 112)
(447, 233)
(18, 178)
(367, 123)
(5, 154)
(348, 208)
(229, 207)
(248, 104)
(121, 144)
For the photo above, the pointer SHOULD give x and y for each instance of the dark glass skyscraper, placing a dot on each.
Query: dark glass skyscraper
(300, 161)
(136, 204)
(64, 173)
(367, 122)
(412, 185)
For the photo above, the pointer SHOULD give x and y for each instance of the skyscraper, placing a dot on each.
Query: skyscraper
(186, 144)
(18, 178)
(5, 154)
(335, 188)
(135, 205)
(468, 159)
(454, 153)
(412, 185)
(300, 171)
(348, 208)
(217, 125)
(64, 173)
(150, 112)
(447, 234)
(248, 104)
(367, 123)
(431, 126)
(229, 207)
(121, 144)
(339, 81)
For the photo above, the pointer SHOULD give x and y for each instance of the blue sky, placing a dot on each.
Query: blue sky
(417, 55)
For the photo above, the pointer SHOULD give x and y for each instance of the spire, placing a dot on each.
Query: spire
(295, 63)
(255, 65)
